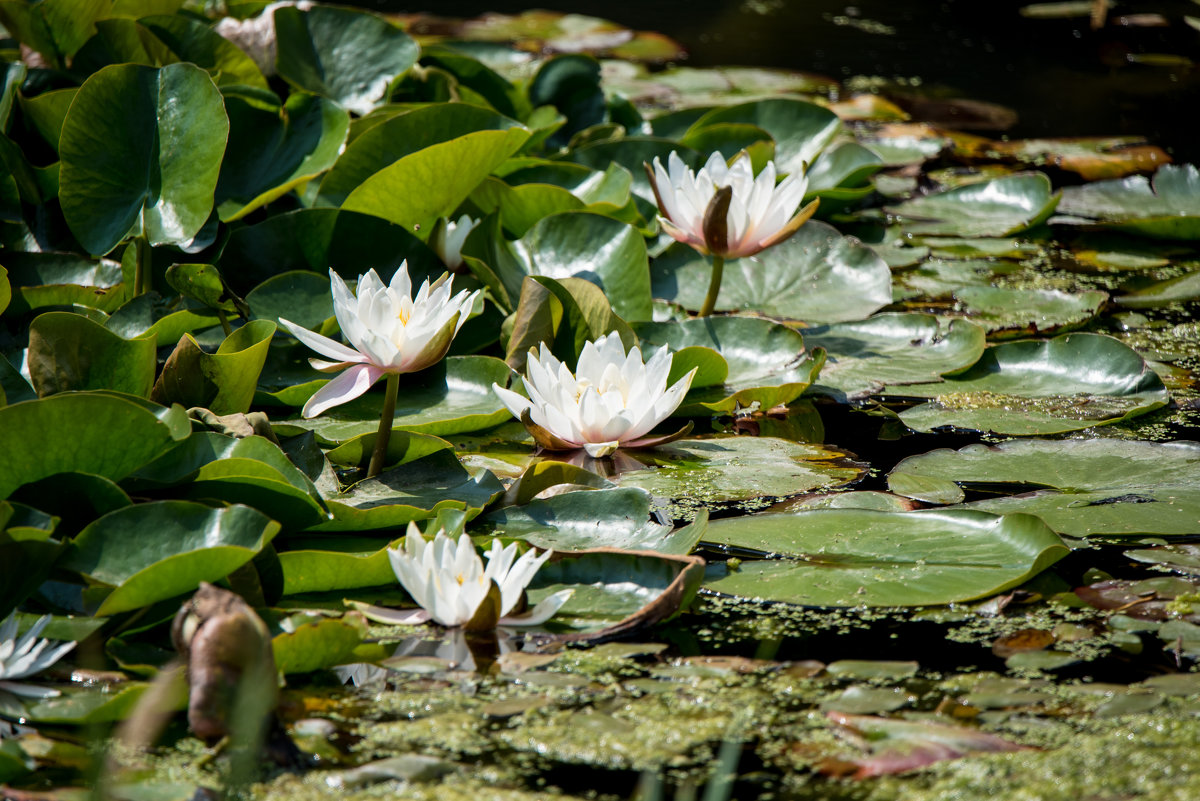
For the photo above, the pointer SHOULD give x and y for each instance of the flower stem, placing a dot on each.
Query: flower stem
(714, 286)
(385, 426)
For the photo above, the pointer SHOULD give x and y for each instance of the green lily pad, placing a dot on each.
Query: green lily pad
(141, 149)
(853, 557)
(40, 280)
(451, 397)
(314, 643)
(603, 518)
(767, 362)
(801, 130)
(1081, 488)
(347, 55)
(154, 551)
(108, 435)
(939, 278)
(70, 352)
(249, 470)
(447, 172)
(1167, 207)
(997, 207)
(149, 315)
(580, 244)
(54, 28)
(892, 350)
(324, 564)
(87, 706)
(275, 148)
(1163, 293)
(620, 589)
(716, 472)
(1071, 382)
(1005, 311)
(818, 276)
(400, 136)
(222, 382)
(417, 490)
(302, 297)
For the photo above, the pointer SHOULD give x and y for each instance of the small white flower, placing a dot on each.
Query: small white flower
(723, 209)
(453, 587)
(389, 332)
(612, 399)
(448, 237)
(21, 657)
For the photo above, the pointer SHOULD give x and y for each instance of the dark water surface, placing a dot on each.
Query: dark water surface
(1062, 78)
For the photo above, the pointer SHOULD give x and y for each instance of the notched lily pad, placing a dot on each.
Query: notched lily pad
(1071, 382)
(1005, 311)
(996, 207)
(1165, 207)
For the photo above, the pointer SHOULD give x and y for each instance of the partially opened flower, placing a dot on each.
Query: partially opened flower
(448, 237)
(390, 333)
(454, 588)
(725, 211)
(21, 657)
(612, 399)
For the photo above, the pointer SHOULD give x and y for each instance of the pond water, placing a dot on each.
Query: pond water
(843, 653)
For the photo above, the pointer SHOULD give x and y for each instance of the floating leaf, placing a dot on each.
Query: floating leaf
(817, 276)
(158, 550)
(997, 207)
(417, 490)
(1163, 293)
(40, 280)
(451, 397)
(318, 642)
(801, 130)
(344, 54)
(892, 350)
(766, 361)
(323, 564)
(716, 472)
(1071, 382)
(1167, 207)
(141, 149)
(564, 315)
(222, 382)
(107, 435)
(853, 557)
(1081, 487)
(70, 352)
(1026, 312)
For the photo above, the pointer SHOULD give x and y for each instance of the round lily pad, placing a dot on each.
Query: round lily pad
(1006, 311)
(1079, 487)
(1166, 207)
(856, 557)
(1071, 382)
(997, 207)
(818, 276)
(892, 350)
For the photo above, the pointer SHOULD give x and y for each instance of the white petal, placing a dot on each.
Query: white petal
(344, 388)
(323, 345)
(540, 613)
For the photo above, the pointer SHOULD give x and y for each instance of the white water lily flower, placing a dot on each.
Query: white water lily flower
(389, 332)
(612, 399)
(723, 209)
(448, 237)
(454, 588)
(21, 657)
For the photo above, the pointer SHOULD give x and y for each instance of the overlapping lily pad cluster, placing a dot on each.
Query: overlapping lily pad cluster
(168, 201)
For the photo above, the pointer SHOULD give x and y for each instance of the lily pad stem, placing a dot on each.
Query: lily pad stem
(141, 266)
(714, 286)
(224, 318)
(385, 426)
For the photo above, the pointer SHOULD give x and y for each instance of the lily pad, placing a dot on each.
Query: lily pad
(1024, 312)
(892, 350)
(1167, 207)
(70, 352)
(340, 563)
(997, 207)
(141, 149)
(344, 54)
(451, 397)
(1071, 382)
(222, 382)
(1081, 488)
(1163, 293)
(767, 362)
(716, 472)
(417, 490)
(107, 435)
(311, 643)
(853, 557)
(818, 276)
(604, 518)
(40, 280)
(154, 551)
(801, 130)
